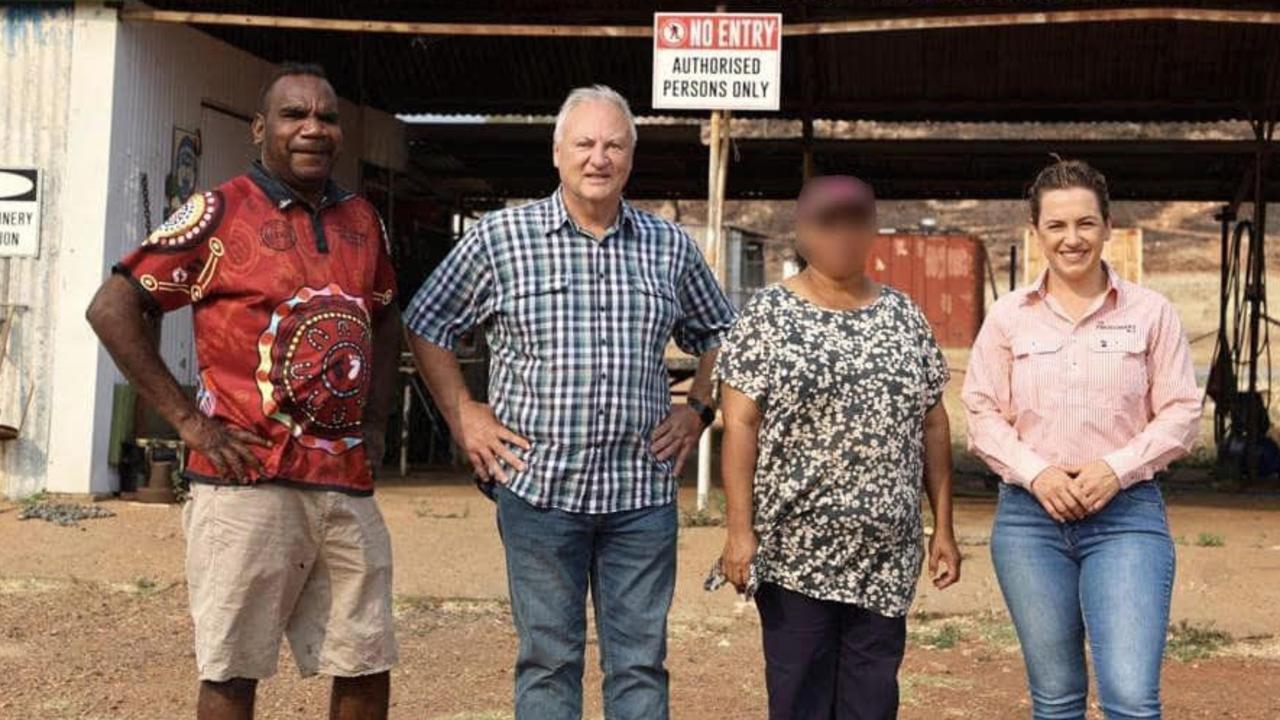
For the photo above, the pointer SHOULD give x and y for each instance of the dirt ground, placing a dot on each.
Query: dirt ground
(94, 624)
(93, 620)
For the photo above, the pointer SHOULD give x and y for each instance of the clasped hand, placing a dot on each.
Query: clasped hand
(1075, 494)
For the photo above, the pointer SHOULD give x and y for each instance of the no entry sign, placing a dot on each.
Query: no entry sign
(717, 61)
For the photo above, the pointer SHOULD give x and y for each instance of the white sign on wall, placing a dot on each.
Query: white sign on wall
(717, 61)
(19, 212)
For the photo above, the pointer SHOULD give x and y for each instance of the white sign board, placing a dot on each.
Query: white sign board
(19, 212)
(717, 61)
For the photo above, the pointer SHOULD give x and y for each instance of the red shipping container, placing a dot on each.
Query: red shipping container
(943, 274)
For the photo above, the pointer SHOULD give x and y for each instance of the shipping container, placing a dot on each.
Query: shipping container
(943, 274)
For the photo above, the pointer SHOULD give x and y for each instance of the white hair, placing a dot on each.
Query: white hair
(594, 93)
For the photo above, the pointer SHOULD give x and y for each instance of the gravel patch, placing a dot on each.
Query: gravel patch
(63, 514)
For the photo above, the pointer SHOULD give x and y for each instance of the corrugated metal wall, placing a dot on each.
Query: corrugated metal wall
(162, 74)
(35, 70)
(166, 76)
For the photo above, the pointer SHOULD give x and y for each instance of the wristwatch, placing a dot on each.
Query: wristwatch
(706, 414)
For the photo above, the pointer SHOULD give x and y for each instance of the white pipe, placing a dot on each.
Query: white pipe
(704, 469)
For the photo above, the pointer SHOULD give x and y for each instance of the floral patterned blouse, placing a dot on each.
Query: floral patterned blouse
(843, 395)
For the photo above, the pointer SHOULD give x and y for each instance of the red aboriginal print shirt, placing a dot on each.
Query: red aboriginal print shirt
(283, 297)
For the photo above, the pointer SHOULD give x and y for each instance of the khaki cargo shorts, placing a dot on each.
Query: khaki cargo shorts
(269, 561)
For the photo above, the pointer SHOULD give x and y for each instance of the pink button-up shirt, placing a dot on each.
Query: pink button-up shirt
(1117, 385)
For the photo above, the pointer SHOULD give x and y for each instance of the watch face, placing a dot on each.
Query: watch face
(708, 415)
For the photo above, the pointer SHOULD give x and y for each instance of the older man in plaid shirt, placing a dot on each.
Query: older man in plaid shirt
(577, 295)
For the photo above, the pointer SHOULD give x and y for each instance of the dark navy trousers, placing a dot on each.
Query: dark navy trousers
(828, 660)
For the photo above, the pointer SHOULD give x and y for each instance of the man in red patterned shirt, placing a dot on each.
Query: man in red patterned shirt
(297, 336)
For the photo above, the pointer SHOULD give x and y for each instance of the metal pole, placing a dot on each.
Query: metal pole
(1223, 403)
(1013, 267)
(806, 135)
(1254, 297)
(405, 405)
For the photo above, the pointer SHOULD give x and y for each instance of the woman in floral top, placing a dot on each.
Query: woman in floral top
(831, 388)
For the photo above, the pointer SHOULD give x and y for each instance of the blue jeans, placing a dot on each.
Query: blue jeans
(1108, 577)
(628, 561)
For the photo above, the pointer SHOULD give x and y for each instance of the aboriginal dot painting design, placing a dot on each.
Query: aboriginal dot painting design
(313, 367)
(187, 226)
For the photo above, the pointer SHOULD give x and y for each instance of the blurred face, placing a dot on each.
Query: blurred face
(1072, 232)
(298, 132)
(594, 153)
(836, 243)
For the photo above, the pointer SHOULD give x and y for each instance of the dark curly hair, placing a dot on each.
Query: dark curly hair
(284, 70)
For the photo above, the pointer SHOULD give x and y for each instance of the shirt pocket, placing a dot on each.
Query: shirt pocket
(1118, 376)
(536, 313)
(1037, 372)
(652, 311)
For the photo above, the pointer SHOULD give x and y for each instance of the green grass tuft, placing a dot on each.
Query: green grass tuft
(1206, 539)
(943, 637)
(1188, 642)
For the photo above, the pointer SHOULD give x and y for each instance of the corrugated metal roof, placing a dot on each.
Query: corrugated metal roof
(1139, 71)
(495, 161)
(620, 12)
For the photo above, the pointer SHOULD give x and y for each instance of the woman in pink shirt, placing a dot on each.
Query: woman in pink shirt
(1079, 390)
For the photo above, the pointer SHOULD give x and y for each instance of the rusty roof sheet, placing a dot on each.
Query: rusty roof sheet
(1132, 71)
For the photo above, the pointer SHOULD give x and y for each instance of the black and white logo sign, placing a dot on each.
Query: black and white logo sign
(19, 212)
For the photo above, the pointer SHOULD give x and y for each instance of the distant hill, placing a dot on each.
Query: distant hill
(1179, 236)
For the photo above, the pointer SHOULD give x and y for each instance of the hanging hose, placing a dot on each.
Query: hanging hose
(1238, 292)
(144, 193)
(1224, 384)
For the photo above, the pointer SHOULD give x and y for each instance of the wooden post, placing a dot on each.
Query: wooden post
(717, 175)
(806, 134)
(711, 242)
(805, 51)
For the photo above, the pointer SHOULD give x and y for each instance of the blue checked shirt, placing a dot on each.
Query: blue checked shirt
(576, 329)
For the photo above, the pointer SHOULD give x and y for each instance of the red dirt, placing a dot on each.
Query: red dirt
(93, 621)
